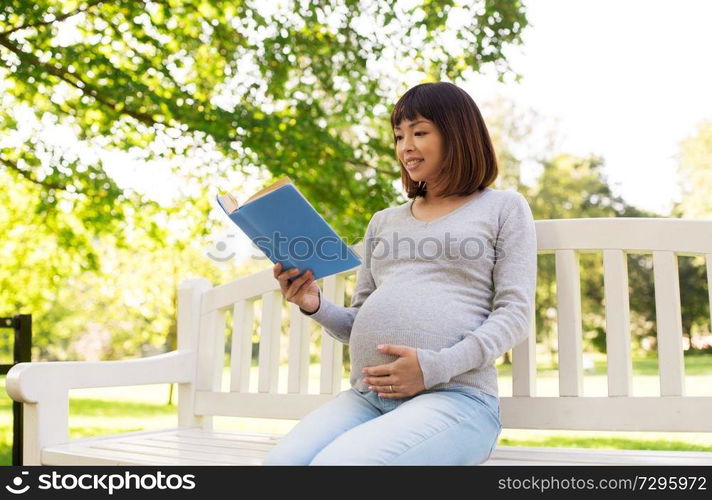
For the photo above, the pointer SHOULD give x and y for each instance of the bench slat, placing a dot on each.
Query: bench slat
(227, 435)
(241, 345)
(618, 354)
(210, 351)
(524, 363)
(669, 324)
(516, 455)
(670, 413)
(646, 234)
(81, 456)
(568, 296)
(208, 449)
(159, 454)
(245, 288)
(299, 341)
(214, 442)
(331, 349)
(270, 330)
(182, 450)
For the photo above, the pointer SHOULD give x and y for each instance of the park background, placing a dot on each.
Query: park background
(120, 121)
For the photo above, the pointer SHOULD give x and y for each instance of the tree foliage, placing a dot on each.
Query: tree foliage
(211, 87)
(301, 91)
(695, 171)
(575, 187)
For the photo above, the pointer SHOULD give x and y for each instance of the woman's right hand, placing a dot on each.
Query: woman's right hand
(303, 291)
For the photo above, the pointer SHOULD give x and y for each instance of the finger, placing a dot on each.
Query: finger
(284, 282)
(284, 276)
(396, 350)
(278, 269)
(288, 273)
(378, 370)
(298, 283)
(378, 382)
(385, 392)
(300, 286)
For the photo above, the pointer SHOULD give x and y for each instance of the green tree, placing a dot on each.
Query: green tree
(112, 294)
(299, 91)
(211, 87)
(695, 173)
(572, 187)
(575, 187)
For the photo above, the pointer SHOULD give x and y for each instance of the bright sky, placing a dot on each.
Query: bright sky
(627, 79)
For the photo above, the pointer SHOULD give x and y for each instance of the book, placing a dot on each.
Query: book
(284, 225)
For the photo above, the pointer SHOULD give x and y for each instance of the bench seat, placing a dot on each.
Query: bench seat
(177, 446)
(195, 446)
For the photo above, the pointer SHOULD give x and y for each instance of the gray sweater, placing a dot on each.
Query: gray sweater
(459, 289)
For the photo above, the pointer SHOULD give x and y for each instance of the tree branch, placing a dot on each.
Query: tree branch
(27, 175)
(161, 68)
(73, 80)
(61, 18)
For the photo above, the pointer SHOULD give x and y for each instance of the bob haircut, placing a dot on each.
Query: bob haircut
(469, 163)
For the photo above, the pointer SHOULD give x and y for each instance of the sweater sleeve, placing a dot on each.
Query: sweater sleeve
(514, 283)
(338, 320)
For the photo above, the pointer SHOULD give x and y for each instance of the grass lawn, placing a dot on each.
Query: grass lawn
(123, 409)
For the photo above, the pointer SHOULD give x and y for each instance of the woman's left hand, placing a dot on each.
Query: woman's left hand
(403, 375)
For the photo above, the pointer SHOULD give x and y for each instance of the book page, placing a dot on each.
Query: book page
(228, 202)
(281, 182)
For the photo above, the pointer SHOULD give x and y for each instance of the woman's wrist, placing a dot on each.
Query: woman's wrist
(315, 310)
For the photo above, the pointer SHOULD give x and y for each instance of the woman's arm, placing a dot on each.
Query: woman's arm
(514, 281)
(338, 320)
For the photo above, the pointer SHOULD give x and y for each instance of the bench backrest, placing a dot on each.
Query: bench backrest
(202, 326)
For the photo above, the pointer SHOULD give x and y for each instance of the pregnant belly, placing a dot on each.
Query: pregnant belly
(388, 318)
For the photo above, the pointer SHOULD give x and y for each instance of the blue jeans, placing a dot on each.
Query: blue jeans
(454, 426)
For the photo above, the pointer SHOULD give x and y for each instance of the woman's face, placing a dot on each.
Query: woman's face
(419, 148)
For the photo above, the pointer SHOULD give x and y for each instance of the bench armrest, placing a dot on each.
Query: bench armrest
(43, 388)
(34, 382)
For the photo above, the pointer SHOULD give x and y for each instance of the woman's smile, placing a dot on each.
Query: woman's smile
(413, 164)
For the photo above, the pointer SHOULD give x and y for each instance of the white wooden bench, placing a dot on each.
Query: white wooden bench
(197, 365)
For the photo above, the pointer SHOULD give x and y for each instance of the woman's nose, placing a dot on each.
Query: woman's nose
(407, 145)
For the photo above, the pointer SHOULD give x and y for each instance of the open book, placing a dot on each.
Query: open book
(282, 223)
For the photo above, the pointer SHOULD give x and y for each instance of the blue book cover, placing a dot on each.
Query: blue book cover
(282, 223)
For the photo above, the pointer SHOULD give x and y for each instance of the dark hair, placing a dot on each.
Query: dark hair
(469, 163)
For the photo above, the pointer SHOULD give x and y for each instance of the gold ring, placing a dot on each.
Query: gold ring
(391, 388)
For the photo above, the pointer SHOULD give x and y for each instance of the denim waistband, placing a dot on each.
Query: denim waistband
(490, 401)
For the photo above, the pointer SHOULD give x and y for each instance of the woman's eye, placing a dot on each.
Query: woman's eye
(398, 137)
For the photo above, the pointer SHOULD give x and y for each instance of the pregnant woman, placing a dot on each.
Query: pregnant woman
(446, 287)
